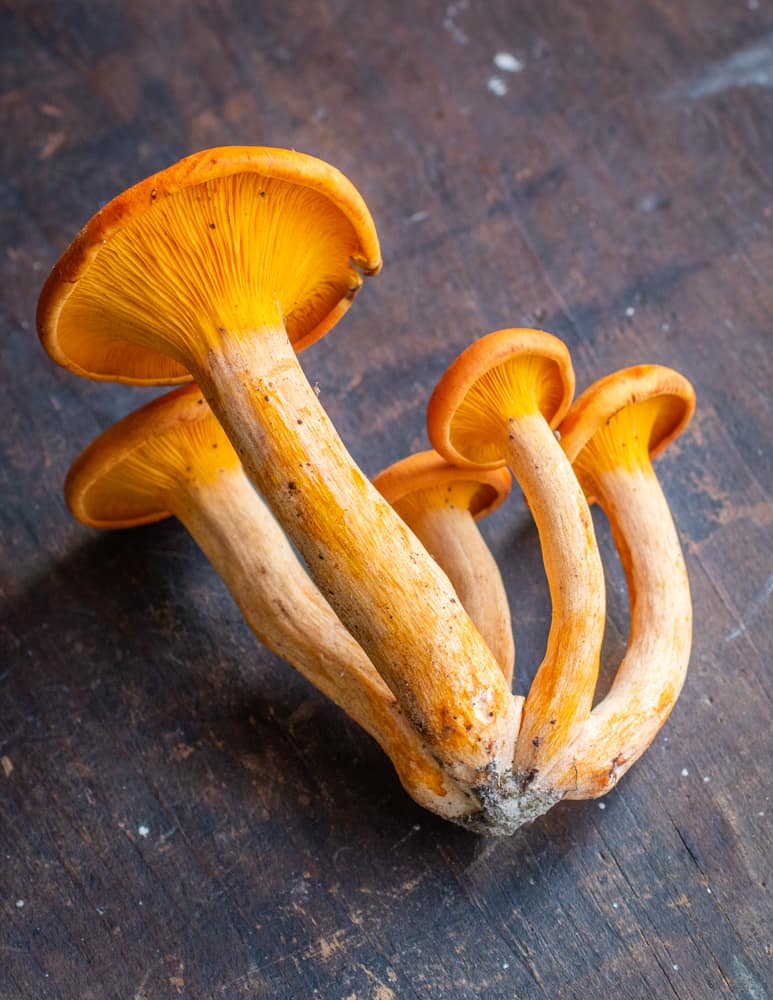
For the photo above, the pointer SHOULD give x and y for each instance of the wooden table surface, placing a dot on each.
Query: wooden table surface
(181, 815)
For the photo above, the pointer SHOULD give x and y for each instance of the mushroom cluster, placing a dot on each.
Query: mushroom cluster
(219, 270)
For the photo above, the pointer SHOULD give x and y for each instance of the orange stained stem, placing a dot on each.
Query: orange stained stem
(497, 404)
(611, 433)
(441, 504)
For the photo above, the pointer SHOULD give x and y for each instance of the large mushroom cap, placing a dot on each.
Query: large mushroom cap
(426, 470)
(492, 380)
(669, 396)
(125, 476)
(217, 241)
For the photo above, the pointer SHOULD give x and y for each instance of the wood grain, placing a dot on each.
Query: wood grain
(183, 816)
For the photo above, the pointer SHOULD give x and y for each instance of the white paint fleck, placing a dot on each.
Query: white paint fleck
(505, 965)
(708, 890)
(761, 813)
(143, 830)
(750, 67)
(615, 906)
(19, 904)
(497, 86)
(507, 62)
(756, 606)
(706, 779)
(602, 805)
(417, 217)
(630, 311)
(675, 968)
(685, 773)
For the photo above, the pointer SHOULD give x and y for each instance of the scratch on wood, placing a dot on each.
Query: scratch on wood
(53, 143)
(751, 67)
(756, 606)
(140, 993)
(753, 987)
(449, 21)
(411, 833)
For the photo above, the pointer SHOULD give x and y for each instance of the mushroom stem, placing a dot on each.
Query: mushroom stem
(650, 677)
(246, 546)
(244, 543)
(381, 582)
(451, 536)
(561, 694)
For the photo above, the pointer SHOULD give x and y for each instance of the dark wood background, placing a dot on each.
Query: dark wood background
(183, 816)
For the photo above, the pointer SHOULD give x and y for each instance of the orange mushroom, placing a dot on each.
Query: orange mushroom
(441, 504)
(496, 404)
(221, 266)
(610, 434)
(171, 457)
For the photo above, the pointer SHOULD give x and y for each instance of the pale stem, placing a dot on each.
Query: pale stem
(454, 541)
(381, 582)
(650, 677)
(241, 538)
(561, 694)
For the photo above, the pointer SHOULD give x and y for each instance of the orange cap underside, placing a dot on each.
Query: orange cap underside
(226, 240)
(670, 392)
(126, 476)
(504, 374)
(426, 471)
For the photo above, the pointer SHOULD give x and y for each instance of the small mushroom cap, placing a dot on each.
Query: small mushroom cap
(196, 239)
(124, 477)
(427, 470)
(606, 398)
(492, 380)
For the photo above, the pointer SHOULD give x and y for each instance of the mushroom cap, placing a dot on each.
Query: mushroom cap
(427, 470)
(87, 331)
(102, 488)
(600, 402)
(550, 381)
